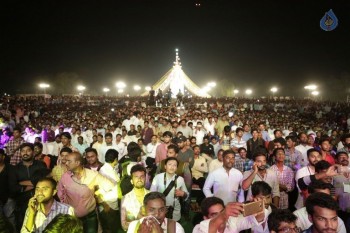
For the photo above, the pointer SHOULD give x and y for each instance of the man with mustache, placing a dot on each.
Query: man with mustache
(42, 208)
(260, 172)
(322, 212)
(22, 180)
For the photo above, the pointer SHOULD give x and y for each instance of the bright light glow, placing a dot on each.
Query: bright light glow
(44, 85)
(274, 89)
(176, 50)
(235, 91)
(120, 85)
(148, 88)
(311, 87)
(120, 90)
(315, 93)
(206, 89)
(137, 88)
(80, 88)
(106, 89)
(248, 91)
(112, 109)
(212, 84)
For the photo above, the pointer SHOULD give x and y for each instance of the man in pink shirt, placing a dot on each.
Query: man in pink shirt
(162, 149)
(78, 187)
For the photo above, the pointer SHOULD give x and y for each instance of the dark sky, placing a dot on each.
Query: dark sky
(254, 44)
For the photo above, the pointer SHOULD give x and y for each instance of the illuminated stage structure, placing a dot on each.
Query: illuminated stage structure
(177, 80)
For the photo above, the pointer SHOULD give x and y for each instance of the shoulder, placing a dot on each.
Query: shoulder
(179, 228)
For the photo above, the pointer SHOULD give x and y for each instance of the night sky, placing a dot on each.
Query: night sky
(239, 44)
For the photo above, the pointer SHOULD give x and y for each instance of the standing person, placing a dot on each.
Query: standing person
(242, 163)
(264, 133)
(322, 211)
(48, 136)
(120, 146)
(303, 147)
(38, 154)
(81, 145)
(108, 209)
(92, 161)
(66, 141)
(162, 148)
(155, 219)
(237, 141)
(225, 181)
(108, 144)
(172, 186)
(146, 133)
(260, 172)
(77, 188)
(184, 129)
(285, 177)
(22, 180)
(313, 156)
(246, 134)
(199, 169)
(13, 147)
(216, 145)
(199, 132)
(325, 151)
(293, 156)
(254, 143)
(185, 154)
(42, 207)
(132, 202)
(151, 151)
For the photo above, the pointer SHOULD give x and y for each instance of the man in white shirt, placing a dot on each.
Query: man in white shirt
(313, 156)
(155, 220)
(120, 146)
(225, 181)
(216, 163)
(303, 147)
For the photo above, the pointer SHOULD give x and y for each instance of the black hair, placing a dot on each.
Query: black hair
(209, 202)
(227, 129)
(227, 152)
(174, 147)
(321, 165)
(277, 216)
(171, 158)
(62, 223)
(152, 196)
(274, 153)
(318, 184)
(26, 144)
(241, 148)
(66, 134)
(293, 138)
(261, 187)
(309, 151)
(321, 200)
(90, 149)
(109, 135)
(257, 154)
(338, 154)
(167, 133)
(239, 129)
(38, 144)
(66, 149)
(137, 168)
(282, 141)
(111, 155)
(48, 179)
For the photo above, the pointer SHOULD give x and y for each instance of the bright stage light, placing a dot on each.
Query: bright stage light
(120, 85)
(311, 87)
(106, 89)
(235, 91)
(148, 88)
(274, 89)
(44, 85)
(212, 84)
(315, 93)
(120, 90)
(248, 91)
(137, 88)
(80, 88)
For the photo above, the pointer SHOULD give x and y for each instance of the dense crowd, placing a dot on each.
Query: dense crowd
(106, 164)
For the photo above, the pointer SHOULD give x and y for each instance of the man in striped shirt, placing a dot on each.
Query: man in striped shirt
(42, 208)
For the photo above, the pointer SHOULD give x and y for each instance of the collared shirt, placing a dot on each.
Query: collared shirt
(198, 170)
(238, 143)
(214, 164)
(270, 178)
(293, 159)
(130, 208)
(225, 186)
(243, 164)
(151, 149)
(158, 186)
(41, 220)
(110, 197)
(286, 177)
(303, 149)
(15, 155)
(178, 228)
(81, 147)
(80, 193)
(304, 223)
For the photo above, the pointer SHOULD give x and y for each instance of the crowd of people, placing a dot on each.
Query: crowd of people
(107, 164)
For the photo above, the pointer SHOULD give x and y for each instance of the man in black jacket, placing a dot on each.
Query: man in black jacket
(22, 180)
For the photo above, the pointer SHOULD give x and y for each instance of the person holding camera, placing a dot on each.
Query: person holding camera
(172, 186)
(155, 220)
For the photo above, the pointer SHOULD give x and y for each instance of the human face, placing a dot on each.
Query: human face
(278, 134)
(255, 134)
(267, 199)
(27, 154)
(37, 150)
(166, 139)
(280, 156)
(138, 179)
(343, 159)
(303, 139)
(65, 141)
(91, 158)
(220, 158)
(240, 133)
(44, 191)
(324, 220)
(290, 143)
(171, 167)
(288, 227)
(314, 157)
(196, 150)
(63, 157)
(157, 209)
(171, 153)
(325, 146)
(193, 141)
(229, 161)
(16, 134)
(154, 139)
(213, 211)
(326, 179)
(214, 141)
(243, 154)
(261, 162)
(181, 144)
(71, 163)
(108, 140)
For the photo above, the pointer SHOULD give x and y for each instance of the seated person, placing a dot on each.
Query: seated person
(64, 223)
(155, 220)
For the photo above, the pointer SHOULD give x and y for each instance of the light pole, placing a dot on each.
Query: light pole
(44, 86)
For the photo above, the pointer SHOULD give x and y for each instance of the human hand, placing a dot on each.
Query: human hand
(179, 193)
(233, 209)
